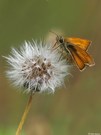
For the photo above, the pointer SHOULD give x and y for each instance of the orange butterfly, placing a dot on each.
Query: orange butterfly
(77, 48)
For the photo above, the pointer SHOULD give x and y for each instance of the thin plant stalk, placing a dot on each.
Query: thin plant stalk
(18, 131)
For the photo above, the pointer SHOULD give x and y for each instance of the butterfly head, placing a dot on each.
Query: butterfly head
(60, 39)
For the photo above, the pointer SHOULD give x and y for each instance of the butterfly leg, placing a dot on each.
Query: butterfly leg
(61, 53)
(54, 45)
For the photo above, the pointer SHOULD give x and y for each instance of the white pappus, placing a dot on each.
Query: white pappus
(36, 67)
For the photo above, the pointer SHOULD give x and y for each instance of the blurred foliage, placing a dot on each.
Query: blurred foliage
(74, 109)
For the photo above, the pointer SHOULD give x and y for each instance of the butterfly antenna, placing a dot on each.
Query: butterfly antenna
(54, 33)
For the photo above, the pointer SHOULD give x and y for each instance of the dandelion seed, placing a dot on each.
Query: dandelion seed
(36, 67)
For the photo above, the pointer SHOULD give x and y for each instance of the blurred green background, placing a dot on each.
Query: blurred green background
(73, 110)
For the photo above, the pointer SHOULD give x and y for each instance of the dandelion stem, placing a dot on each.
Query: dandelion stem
(24, 115)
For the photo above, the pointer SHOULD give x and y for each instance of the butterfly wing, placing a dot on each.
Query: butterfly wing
(80, 57)
(82, 43)
(85, 56)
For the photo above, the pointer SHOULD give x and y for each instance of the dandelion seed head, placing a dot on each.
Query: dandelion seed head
(36, 67)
